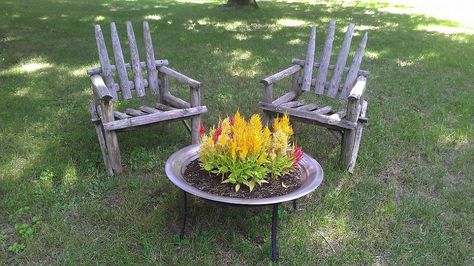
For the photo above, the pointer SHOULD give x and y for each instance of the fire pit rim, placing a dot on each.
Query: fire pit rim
(312, 175)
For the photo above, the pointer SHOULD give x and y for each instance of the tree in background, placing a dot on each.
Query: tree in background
(242, 3)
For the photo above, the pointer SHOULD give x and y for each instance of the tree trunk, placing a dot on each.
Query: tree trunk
(242, 3)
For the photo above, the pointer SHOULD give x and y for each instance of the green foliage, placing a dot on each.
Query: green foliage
(16, 247)
(279, 166)
(24, 230)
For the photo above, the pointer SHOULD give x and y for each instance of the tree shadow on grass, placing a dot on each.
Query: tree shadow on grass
(46, 47)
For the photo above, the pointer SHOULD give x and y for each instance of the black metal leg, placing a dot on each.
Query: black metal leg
(274, 232)
(181, 234)
(294, 205)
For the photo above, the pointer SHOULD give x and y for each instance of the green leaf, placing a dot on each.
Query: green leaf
(208, 167)
(237, 187)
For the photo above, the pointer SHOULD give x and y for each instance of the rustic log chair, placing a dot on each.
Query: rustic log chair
(347, 123)
(108, 121)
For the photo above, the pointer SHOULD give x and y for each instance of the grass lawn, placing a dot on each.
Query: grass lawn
(410, 201)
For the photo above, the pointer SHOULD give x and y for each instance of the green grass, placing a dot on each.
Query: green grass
(409, 202)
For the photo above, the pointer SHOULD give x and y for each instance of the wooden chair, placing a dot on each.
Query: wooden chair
(349, 121)
(109, 121)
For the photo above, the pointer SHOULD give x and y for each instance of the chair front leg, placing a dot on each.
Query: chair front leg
(111, 141)
(195, 120)
(348, 138)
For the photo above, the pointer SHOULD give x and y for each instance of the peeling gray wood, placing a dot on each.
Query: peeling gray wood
(135, 57)
(289, 96)
(358, 137)
(325, 58)
(354, 69)
(100, 88)
(143, 65)
(120, 63)
(300, 62)
(150, 60)
(148, 110)
(308, 107)
(120, 115)
(134, 112)
(314, 117)
(358, 90)
(292, 104)
(106, 69)
(309, 62)
(341, 62)
(180, 77)
(154, 118)
(280, 75)
(175, 101)
(323, 110)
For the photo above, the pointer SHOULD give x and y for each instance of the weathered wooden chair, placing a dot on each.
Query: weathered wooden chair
(349, 121)
(108, 121)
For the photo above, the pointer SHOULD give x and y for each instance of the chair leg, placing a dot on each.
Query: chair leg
(348, 140)
(355, 149)
(103, 146)
(267, 119)
(195, 123)
(113, 150)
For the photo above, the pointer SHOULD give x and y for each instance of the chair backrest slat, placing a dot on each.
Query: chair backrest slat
(354, 69)
(150, 60)
(104, 61)
(309, 62)
(136, 68)
(120, 63)
(341, 62)
(325, 58)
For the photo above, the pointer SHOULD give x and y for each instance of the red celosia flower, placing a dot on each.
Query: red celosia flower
(296, 153)
(202, 130)
(231, 120)
(217, 133)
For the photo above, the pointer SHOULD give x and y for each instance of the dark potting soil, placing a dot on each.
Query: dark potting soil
(212, 183)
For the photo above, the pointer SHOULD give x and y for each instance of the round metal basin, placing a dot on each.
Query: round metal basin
(312, 176)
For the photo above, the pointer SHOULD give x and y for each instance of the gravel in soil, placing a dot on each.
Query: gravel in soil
(212, 183)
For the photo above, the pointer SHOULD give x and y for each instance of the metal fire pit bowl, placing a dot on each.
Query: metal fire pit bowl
(311, 174)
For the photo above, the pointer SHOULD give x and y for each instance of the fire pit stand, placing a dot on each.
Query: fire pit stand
(311, 175)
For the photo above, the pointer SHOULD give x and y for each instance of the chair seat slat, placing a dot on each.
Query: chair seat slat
(323, 110)
(309, 116)
(308, 107)
(134, 112)
(292, 104)
(148, 110)
(341, 62)
(120, 63)
(136, 68)
(325, 58)
(120, 115)
(285, 98)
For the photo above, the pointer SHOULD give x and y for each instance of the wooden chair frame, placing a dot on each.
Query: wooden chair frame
(347, 123)
(109, 121)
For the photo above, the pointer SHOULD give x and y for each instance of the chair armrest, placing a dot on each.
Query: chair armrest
(100, 88)
(280, 75)
(358, 89)
(180, 77)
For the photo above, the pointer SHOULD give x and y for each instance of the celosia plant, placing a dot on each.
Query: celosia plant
(246, 153)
